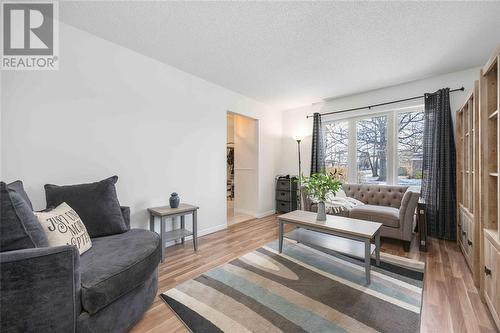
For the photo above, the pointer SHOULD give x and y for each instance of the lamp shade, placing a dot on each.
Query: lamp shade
(299, 136)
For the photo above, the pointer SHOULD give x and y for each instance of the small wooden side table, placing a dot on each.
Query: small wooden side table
(165, 212)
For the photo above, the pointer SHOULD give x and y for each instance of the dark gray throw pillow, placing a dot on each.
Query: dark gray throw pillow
(19, 227)
(95, 203)
(18, 187)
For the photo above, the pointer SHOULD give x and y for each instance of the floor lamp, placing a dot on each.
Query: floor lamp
(298, 139)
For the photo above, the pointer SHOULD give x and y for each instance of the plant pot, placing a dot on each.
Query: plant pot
(321, 212)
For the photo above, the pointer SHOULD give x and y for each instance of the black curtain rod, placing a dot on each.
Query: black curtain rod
(380, 104)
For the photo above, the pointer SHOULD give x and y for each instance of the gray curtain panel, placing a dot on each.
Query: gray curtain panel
(317, 151)
(438, 183)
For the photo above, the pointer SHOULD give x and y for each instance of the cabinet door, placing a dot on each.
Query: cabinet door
(465, 230)
(470, 238)
(490, 270)
(495, 298)
(488, 285)
(462, 227)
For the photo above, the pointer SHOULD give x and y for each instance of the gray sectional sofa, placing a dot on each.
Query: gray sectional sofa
(393, 206)
(55, 289)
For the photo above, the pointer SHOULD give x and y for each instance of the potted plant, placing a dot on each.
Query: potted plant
(319, 186)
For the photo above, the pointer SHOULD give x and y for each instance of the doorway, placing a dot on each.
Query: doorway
(241, 168)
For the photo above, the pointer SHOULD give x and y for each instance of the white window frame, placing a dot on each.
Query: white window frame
(392, 139)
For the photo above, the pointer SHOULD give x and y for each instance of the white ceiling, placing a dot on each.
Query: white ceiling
(288, 54)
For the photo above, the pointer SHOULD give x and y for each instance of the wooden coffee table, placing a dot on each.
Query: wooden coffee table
(353, 234)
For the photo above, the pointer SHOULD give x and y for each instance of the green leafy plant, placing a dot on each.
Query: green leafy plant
(320, 185)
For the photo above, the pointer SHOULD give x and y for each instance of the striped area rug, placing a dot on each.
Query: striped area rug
(303, 289)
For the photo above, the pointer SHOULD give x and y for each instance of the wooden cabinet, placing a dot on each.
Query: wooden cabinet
(468, 181)
(478, 187)
(489, 106)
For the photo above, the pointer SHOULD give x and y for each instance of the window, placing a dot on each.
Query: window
(385, 148)
(371, 141)
(410, 148)
(336, 146)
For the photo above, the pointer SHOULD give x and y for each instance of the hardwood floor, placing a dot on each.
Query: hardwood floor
(236, 217)
(451, 301)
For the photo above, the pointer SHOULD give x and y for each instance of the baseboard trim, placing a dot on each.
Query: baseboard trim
(265, 214)
(256, 215)
(203, 232)
(213, 229)
(220, 227)
(243, 211)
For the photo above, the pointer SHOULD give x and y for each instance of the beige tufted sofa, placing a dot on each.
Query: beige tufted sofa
(393, 206)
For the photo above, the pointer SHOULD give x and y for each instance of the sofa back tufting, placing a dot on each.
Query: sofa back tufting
(379, 195)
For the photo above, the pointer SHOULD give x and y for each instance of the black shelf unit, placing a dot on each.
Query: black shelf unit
(286, 194)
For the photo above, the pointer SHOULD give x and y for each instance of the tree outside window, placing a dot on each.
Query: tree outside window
(410, 148)
(336, 147)
(371, 136)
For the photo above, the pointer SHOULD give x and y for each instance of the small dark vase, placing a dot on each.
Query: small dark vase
(174, 200)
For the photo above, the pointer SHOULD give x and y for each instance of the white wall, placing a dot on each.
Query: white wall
(109, 110)
(295, 122)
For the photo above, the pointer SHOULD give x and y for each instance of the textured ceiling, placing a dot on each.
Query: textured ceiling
(288, 54)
